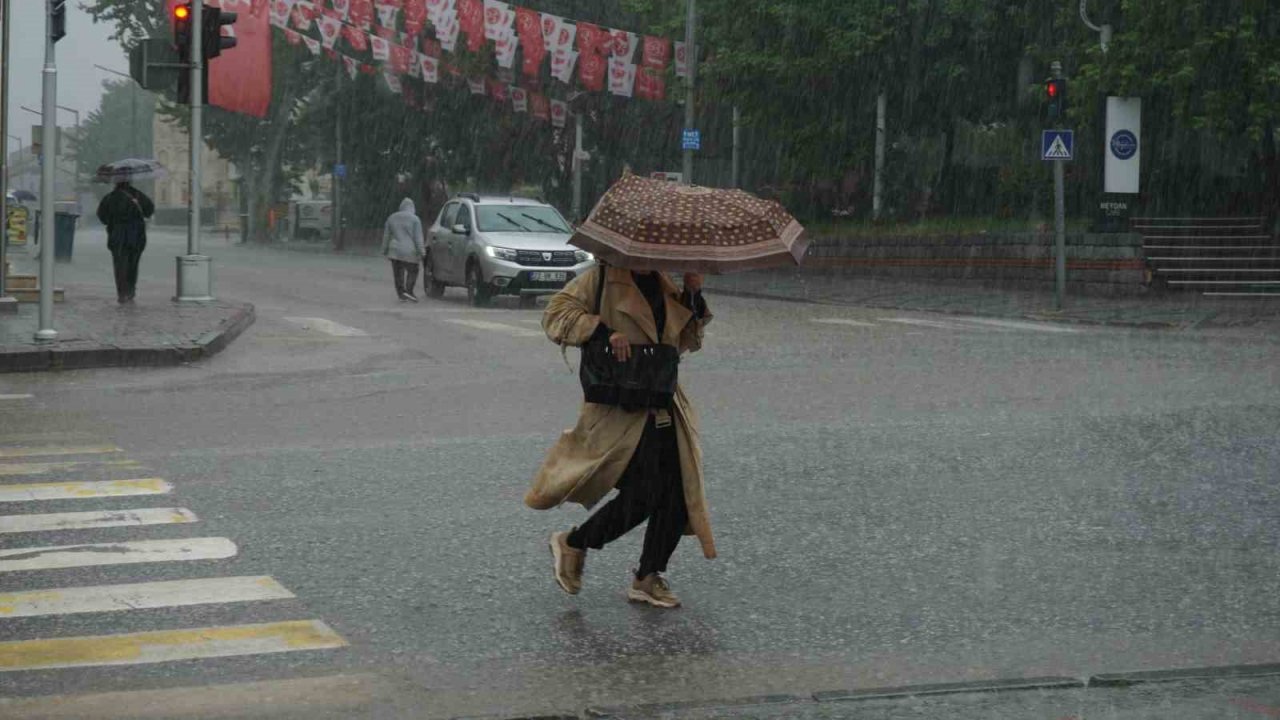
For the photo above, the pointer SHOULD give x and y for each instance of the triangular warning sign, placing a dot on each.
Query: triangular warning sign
(1057, 150)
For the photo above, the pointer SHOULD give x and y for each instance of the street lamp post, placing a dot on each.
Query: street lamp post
(45, 331)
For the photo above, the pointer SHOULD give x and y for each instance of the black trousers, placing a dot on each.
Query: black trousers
(651, 488)
(125, 259)
(406, 276)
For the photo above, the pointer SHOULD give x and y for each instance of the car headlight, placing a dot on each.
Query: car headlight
(582, 256)
(501, 253)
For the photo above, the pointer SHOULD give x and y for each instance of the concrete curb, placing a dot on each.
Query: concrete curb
(82, 355)
(1223, 672)
(976, 686)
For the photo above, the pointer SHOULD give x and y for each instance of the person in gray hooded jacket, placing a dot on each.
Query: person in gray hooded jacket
(402, 244)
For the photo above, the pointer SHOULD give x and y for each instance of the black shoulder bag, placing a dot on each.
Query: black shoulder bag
(646, 380)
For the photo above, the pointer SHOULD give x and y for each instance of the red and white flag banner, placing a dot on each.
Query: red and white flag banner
(330, 30)
(682, 61)
(448, 35)
(550, 28)
(559, 113)
(531, 63)
(657, 52)
(539, 107)
(519, 99)
(415, 16)
(566, 33)
(361, 13)
(402, 60)
(381, 48)
(393, 81)
(429, 68)
(504, 49)
(280, 12)
(498, 91)
(303, 12)
(622, 77)
(343, 8)
(312, 44)
(623, 45)
(562, 64)
(356, 38)
(498, 18)
(591, 39)
(592, 71)
(387, 14)
(651, 84)
(477, 86)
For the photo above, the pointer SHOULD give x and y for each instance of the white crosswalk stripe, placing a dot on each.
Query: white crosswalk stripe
(957, 323)
(328, 327)
(94, 519)
(138, 596)
(503, 328)
(122, 553)
(27, 492)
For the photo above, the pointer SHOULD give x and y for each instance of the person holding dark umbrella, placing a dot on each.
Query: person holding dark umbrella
(124, 212)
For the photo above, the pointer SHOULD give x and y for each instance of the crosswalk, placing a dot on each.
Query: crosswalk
(35, 500)
(952, 324)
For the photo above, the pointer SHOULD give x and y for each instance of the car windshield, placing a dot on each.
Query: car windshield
(520, 218)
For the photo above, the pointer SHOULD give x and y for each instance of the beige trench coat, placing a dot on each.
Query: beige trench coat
(588, 460)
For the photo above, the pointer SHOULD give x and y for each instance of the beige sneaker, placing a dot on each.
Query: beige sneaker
(653, 589)
(567, 563)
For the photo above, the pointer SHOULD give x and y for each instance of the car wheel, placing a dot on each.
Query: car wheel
(528, 302)
(478, 291)
(435, 288)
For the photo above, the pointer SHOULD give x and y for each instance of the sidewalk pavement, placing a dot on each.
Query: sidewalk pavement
(1172, 310)
(95, 331)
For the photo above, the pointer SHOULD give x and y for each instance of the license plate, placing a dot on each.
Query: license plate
(548, 276)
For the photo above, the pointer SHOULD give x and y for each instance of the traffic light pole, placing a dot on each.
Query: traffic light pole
(48, 166)
(691, 55)
(1059, 219)
(194, 269)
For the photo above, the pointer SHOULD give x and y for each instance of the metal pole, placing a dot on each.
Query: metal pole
(1059, 220)
(577, 167)
(691, 55)
(48, 165)
(194, 271)
(877, 191)
(4, 159)
(737, 147)
(336, 216)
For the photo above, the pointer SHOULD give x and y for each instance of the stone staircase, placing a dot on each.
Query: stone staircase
(1234, 257)
(26, 288)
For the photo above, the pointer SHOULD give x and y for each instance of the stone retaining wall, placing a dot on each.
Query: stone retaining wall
(1107, 264)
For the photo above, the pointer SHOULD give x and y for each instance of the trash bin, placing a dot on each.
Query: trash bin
(64, 233)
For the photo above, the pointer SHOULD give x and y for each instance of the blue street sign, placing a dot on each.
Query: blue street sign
(1057, 145)
(1124, 144)
(691, 140)
(340, 171)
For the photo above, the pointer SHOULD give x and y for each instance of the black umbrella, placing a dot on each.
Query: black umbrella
(129, 170)
(23, 195)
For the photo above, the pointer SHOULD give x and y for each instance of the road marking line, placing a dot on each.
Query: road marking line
(139, 596)
(55, 557)
(843, 321)
(928, 323)
(28, 492)
(18, 396)
(60, 450)
(167, 645)
(95, 519)
(48, 467)
(511, 330)
(1018, 325)
(327, 327)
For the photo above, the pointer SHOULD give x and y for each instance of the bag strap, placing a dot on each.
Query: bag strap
(132, 198)
(600, 286)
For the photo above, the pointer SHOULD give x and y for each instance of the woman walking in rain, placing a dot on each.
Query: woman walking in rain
(651, 454)
(402, 244)
(124, 212)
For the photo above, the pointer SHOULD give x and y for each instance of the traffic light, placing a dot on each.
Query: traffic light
(1055, 95)
(57, 20)
(213, 42)
(182, 43)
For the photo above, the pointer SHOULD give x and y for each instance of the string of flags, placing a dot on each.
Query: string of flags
(393, 33)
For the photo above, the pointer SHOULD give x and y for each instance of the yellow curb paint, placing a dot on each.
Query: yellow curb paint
(94, 519)
(8, 469)
(138, 596)
(17, 452)
(27, 492)
(167, 645)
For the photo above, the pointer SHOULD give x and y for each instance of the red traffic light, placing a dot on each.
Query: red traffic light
(1053, 89)
(181, 12)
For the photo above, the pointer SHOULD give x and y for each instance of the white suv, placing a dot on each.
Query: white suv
(501, 246)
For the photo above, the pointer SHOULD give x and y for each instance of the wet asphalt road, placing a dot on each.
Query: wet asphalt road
(898, 498)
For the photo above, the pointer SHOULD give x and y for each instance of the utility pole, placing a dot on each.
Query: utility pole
(335, 215)
(576, 210)
(6, 303)
(1059, 217)
(48, 165)
(736, 180)
(194, 281)
(877, 191)
(691, 56)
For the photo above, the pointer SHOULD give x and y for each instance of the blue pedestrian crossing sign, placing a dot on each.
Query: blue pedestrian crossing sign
(1057, 145)
(691, 140)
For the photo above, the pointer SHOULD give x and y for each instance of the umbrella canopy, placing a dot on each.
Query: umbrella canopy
(22, 195)
(646, 224)
(130, 169)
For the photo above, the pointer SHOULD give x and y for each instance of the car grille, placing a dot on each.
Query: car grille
(535, 258)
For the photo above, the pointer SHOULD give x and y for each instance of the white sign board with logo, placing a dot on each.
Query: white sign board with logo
(1124, 145)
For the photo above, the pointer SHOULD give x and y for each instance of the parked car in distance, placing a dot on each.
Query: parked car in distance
(501, 246)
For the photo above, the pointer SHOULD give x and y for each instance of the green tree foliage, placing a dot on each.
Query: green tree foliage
(119, 128)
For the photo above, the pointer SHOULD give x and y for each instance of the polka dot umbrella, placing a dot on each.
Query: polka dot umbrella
(647, 224)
